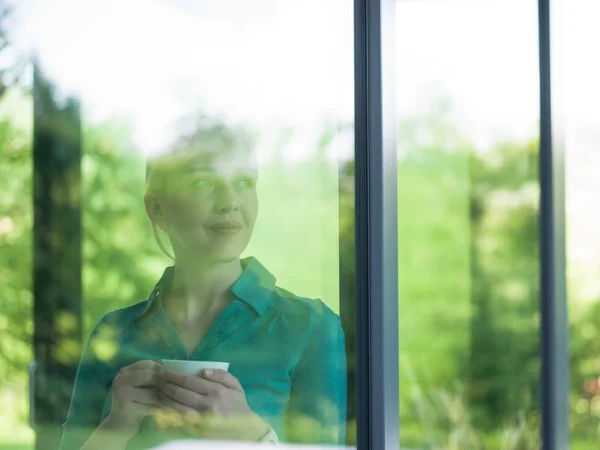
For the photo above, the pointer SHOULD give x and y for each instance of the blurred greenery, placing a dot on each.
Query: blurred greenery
(468, 270)
(468, 280)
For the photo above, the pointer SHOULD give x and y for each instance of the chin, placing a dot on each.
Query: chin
(218, 252)
(225, 255)
(223, 259)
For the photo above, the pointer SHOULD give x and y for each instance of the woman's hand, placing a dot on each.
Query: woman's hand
(134, 395)
(213, 404)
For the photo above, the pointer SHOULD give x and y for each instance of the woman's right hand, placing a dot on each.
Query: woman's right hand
(134, 395)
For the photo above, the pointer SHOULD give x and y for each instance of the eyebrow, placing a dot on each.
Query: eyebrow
(212, 170)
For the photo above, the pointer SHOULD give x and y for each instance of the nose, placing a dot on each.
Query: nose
(226, 200)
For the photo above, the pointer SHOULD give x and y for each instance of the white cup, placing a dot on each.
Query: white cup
(193, 367)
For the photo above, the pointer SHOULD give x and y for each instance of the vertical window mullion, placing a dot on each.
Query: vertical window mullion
(376, 226)
(553, 304)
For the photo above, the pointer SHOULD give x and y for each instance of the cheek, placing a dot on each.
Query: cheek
(187, 212)
(251, 211)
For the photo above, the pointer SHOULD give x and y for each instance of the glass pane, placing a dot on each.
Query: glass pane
(16, 262)
(581, 94)
(216, 191)
(468, 224)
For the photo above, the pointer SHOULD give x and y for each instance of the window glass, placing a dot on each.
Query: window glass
(468, 210)
(16, 259)
(580, 95)
(206, 149)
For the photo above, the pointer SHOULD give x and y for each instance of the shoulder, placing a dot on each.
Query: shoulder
(312, 314)
(315, 328)
(119, 319)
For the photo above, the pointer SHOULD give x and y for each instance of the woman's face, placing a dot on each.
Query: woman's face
(208, 205)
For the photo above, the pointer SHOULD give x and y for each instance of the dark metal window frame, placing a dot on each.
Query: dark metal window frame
(376, 214)
(554, 333)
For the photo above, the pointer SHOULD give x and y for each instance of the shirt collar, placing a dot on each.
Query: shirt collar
(255, 287)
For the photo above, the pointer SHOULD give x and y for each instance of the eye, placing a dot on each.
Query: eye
(201, 183)
(245, 183)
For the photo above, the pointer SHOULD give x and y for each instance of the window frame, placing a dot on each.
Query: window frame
(376, 225)
(554, 328)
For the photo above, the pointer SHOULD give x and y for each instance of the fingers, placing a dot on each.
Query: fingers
(129, 394)
(183, 396)
(144, 364)
(137, 378)
(198, 393)
(191, 382)
(222, 377)
(166, 401)
(144, 396)
(139, 374)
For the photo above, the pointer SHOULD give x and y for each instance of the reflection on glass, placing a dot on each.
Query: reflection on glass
(468, 224)
(272, 365)
(16, 216)
(207, 111)
(581, 95)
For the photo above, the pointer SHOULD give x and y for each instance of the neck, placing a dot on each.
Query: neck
(200, 287)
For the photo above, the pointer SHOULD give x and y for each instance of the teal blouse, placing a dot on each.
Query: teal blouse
(287, 352)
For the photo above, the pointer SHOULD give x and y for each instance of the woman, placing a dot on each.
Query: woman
(287, 376)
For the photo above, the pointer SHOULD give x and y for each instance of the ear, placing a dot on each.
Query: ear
(154, 211)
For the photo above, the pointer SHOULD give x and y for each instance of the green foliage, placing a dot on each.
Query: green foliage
(504, 365)
(585, 373)
(16, 327)
(121, 260)
(468, 270)
(468, 278)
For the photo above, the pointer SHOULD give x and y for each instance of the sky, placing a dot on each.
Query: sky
(280, 64)
(154, 60)
(291, 62)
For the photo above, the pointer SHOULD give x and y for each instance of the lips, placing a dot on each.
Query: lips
(226, 227)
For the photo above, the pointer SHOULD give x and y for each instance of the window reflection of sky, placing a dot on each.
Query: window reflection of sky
(482, 56)
(152, 61)
(290, 64)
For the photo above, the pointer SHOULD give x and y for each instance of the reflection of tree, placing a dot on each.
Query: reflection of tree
(56, 158)
(585, 371)
(468, 270)
(15, 253)
(503, 366)
(468, 279)
(468, 274)
(16, 327)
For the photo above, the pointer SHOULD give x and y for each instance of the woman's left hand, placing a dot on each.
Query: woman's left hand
(214, 404)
